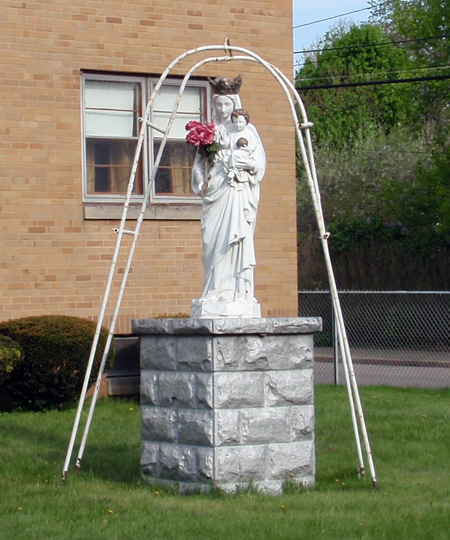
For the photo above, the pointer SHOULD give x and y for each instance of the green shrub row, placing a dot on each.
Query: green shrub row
(47, 368)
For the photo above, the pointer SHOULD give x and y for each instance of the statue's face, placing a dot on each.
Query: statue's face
(240, 122)
(224, 107)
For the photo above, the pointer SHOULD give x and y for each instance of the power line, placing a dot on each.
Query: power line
(373, 83)
(367, 100)
(319, 78)
(330, 18)
(342, 15)
(382, 44)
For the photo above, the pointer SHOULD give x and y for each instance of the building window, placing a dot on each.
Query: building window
(112, 109)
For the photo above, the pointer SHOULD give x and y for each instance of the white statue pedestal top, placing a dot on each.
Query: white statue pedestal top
(209, 309)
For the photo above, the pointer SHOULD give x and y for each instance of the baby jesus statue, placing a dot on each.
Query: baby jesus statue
(241, 164)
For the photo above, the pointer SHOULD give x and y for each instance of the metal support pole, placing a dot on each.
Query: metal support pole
(335, 339)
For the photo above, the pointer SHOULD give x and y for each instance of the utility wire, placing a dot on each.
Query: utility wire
(382, 44)
(330, 18)
(344, 108)
(319, 78)
(373, 83)
(343, 14)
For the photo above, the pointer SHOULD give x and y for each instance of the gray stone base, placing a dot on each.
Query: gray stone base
(227, 402)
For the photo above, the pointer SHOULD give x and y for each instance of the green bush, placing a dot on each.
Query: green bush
(56, 352)
(10, 354)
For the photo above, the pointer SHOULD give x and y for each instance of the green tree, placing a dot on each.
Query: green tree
(382, 152)
(424, 25)
(344, 115)
(353, 180)
(423, 204)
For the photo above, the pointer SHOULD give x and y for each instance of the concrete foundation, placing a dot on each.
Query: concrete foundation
(227, 402)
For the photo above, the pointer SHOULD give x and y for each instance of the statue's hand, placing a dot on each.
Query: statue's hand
(221, 137)
(247, 163)
(204, 188)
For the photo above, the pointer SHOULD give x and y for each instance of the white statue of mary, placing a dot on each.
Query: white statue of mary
(229, 209)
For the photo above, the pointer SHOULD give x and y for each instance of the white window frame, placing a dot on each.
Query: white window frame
(147, 157)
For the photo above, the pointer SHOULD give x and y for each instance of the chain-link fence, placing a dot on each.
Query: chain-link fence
(396, 338)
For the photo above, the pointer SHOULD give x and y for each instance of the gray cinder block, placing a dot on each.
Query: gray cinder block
(158, 424)
(237, 390)
(288, 460)
(227, 427)
(195, 427)
(177, 388)
(290, 387)
(204, 390)
(159, 352)
(195, 353)
(178, 462)
(240, 463)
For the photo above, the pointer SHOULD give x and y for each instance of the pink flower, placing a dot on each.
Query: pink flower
(200, 134)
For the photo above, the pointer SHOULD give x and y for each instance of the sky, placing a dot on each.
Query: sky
(307, 11)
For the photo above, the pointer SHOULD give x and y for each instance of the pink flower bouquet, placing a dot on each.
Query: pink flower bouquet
(202, 136)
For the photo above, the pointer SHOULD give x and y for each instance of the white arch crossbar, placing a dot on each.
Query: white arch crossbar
(304, 139)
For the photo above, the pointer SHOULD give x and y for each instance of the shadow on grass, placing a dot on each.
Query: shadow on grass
(116, 462)
(35, 440)
(112, 451)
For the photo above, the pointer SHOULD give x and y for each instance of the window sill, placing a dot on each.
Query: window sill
(159, 212)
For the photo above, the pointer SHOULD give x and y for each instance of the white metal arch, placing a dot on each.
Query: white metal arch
(304, 139)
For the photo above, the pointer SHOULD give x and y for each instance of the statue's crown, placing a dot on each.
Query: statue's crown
(223, 86)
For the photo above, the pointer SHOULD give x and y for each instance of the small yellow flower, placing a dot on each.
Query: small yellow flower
(20, 508)
(384, 494)
(343, 484)
(361, 524)
(110, 511)
(292, 475)
(424, 416)
(156, 492)
(283, 506)
(337, 480)
(131, 409)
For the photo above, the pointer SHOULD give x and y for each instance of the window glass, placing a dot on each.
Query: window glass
(109, 165)
(177, 130)
(112, 108)
(174, 171)
(191, 100)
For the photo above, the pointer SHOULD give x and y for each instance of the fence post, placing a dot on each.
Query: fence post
(335, 339)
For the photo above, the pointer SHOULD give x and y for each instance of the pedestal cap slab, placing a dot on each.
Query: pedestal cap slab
(285, 325)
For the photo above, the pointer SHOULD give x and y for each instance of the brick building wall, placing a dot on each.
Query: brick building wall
(55, 260)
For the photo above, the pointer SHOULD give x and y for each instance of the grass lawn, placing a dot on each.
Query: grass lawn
(410, 437)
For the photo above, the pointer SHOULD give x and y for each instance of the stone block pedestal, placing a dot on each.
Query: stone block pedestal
(227, 402)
